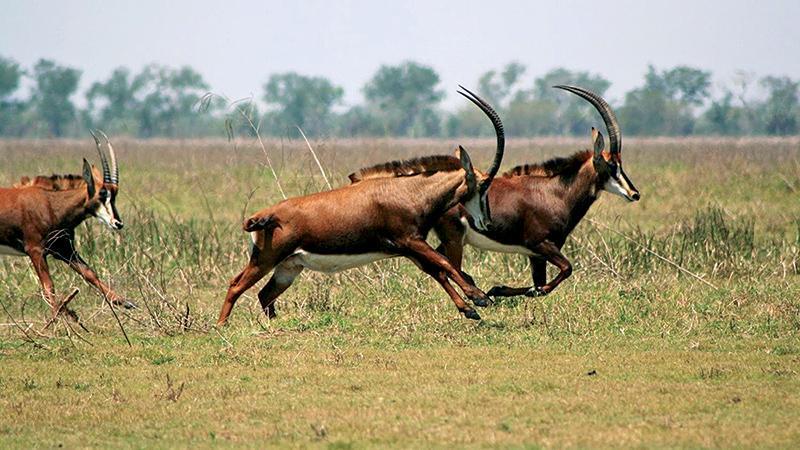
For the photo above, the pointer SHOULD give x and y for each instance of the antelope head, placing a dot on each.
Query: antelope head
(476, 201)
(607, 162)
(103, 196)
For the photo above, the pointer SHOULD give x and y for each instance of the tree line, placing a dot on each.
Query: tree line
(399, 100)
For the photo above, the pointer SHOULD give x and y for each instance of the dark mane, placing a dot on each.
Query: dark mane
(53, 182)
(552, 168)
(408, 167)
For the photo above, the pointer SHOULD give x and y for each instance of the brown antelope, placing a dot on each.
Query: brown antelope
(536, 206)
(38, 218)
(386, 212)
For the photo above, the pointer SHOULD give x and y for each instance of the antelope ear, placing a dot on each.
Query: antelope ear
(466, 163)
(88, 177)
(599, 143)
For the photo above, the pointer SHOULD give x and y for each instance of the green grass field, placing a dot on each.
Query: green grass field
(631, 351)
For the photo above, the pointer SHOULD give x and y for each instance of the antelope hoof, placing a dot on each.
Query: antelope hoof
(538, 291)
(471, 314)
(127, 304)
(481, 301)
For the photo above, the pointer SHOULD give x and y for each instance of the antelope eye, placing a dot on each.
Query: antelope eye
(103, 194)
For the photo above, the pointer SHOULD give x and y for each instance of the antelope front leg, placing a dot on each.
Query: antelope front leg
(440, 277)
(451, 231)
(454, 252)
(554, 256)
(538, 271)
(421, 251)
(74, 260)
(43, 272)
(39, 262)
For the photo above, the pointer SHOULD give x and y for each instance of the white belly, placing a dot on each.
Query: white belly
(9, 251)
(482, 242)
(334, 263)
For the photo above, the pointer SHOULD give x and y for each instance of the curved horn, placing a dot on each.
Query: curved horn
(113, 156)
(103, 160)
(498, 129)
(614, 135)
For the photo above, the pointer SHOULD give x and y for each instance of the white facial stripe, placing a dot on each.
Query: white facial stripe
(106, 213)
(613, 186)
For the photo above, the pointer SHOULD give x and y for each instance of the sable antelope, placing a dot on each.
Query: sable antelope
(38, 218)
(536, 206)
(386, 212)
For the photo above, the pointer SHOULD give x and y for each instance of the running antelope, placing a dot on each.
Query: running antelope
(38, 218)
(386, 212)
(536, 206)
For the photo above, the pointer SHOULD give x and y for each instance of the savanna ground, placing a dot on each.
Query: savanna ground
(629, 352)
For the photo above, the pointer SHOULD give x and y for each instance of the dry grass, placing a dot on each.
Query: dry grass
(307, 392)
(379, 356)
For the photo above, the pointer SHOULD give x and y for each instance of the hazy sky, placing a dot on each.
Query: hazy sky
(237, 44)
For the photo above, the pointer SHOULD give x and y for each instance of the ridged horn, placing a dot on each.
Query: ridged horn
(113, 156)
(103, 159)
(498, 129)
(610, 119)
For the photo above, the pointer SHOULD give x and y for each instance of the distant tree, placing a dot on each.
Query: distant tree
(648, 111)
(53, 86)
(539, 110)
(358, 121)
(404, 99)
(781, 109)
(527, 116)
(168, 101)
(468, 121)
(301, 100)
(663, 106)
(428, 122)
(687, 84)
(496, 87)
(575, 116)
(543, 86)
(10, 74)
(10, 109)
(113, 104)
(722, 117)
